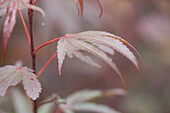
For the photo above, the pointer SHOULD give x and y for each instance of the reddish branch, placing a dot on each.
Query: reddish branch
(30, 15)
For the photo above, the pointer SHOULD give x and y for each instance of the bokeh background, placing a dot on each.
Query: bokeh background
(143, 23)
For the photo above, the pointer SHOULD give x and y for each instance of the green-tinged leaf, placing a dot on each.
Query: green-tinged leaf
(48, 104)
(83, 96)
(95, 108)
(81, 101)
(12, 75)
(46, 108)
(20, 102)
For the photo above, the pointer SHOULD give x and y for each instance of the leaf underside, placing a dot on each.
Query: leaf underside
(12, 75)
(98, 43)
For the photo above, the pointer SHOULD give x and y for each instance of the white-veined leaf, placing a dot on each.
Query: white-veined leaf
(84, 58)
(61, 50)
(98, 43)
(107, 39)
(12, 75)
(97, 52)
(105, 48)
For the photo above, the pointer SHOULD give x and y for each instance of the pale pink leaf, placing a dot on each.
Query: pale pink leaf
(105, 48)
(61, 50)
(31, 83)
(75, 51)
(86, 59)
(97, 52)
(11, 7)
(8, 77)
(12, 75)
(8, 26)
(107, 39)
(98, 43)
(25, 4)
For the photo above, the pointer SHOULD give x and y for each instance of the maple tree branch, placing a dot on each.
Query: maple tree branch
(30, 16)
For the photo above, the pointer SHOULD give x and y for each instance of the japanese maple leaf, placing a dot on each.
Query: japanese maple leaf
(79, 5)
(82, 101)
(10, 8)
(12, 75)
(98, 43)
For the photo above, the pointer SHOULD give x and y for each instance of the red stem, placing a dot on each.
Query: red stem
(25, 27)
(45, 44)
(81, 7)
(101, 9)
(47, 63)
(77, 6)
(35, 2)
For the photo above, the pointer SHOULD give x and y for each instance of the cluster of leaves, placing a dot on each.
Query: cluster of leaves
(99, 43)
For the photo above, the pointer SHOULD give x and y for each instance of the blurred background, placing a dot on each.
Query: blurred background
(143, 23)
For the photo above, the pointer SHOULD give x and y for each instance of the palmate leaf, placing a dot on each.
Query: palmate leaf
(12, 75)
(98, 43)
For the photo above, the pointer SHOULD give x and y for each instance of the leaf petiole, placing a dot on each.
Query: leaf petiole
(45, 44)
(25, 27)
(47, 63)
